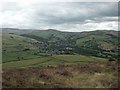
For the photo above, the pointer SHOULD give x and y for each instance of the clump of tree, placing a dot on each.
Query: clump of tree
(26, 49)
(19, 58)
(112, 59)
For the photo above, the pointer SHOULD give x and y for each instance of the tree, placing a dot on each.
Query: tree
(18, 58)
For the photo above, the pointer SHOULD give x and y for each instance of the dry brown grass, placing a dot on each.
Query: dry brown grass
(94, 75)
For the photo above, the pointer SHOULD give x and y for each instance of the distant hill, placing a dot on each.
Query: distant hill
(101, 43)
(15, 47)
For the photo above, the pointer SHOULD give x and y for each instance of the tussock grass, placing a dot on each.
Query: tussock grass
(93, 75)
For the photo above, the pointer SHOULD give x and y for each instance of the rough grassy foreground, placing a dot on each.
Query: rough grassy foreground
(93, 75)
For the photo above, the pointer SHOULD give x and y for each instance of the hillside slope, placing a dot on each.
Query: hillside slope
(16, 47)
(30, 43)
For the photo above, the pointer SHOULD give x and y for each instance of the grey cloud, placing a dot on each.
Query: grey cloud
(76, 12)
(61, 15)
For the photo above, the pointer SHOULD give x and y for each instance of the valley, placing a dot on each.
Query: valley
(52, 56)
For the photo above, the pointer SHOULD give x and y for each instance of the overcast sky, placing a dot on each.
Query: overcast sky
(64, 16)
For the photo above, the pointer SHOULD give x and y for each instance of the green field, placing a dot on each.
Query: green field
(53, 60)
(13, 46)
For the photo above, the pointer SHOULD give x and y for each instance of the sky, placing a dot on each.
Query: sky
(64, 16)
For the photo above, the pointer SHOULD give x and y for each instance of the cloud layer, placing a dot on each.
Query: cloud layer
(65, 16)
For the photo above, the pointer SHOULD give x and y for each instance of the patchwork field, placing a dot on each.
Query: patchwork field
(53, 60)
